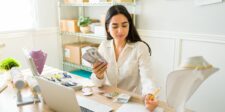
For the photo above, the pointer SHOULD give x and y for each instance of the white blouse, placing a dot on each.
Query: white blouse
(132, 70)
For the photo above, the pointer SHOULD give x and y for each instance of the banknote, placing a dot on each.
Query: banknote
(122, 98)
(92, 55)
(89, 58)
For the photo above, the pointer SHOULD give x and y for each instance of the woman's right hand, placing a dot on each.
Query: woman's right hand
(150, 102)
(99, 68)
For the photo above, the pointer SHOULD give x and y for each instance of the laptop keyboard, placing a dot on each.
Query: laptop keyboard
(83, 109)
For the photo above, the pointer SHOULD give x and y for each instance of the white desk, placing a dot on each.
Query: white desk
(8, 97)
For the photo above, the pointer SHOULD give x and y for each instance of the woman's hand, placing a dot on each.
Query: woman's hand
(150, 102)
(99, 68)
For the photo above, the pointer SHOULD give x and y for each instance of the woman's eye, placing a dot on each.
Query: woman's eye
(114, 27)
(124, 26)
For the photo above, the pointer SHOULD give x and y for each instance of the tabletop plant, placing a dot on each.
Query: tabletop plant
(84, 21)
(8, 63)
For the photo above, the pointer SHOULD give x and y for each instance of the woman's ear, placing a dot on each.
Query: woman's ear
(107, 29)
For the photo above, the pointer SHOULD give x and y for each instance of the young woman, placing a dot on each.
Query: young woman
(127, 56)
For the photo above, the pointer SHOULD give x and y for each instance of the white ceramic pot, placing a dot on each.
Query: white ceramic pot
(85, 29)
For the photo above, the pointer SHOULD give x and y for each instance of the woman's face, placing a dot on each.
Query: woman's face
(118, 27)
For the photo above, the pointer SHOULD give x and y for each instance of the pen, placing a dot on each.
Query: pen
(153, 95)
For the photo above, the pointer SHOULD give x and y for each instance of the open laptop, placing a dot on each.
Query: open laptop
(58, 97)
(63, 99)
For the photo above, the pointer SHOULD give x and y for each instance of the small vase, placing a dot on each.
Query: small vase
(85, 29)
(7, 77)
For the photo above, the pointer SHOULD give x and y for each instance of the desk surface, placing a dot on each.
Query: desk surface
(8, 97)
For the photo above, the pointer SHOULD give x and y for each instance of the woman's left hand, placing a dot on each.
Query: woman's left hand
(150, 103)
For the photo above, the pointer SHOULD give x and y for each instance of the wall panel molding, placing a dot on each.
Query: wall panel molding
(183, 36)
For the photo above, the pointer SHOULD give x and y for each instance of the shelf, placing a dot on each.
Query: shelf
(97, 4)
(88, 35)
(77, 66)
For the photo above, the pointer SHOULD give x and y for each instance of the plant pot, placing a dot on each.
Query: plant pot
(85, 29)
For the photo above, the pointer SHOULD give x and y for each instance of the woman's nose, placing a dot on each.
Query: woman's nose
(120, 30)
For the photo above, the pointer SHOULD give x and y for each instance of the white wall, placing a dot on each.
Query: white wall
(44, 39)
(45, 36)
(181, 16)
(46, 13)
(177, 29)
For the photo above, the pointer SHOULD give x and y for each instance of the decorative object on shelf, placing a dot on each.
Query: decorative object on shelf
(84, 23)
(183, 82)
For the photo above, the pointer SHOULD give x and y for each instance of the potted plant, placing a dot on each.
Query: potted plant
(83, 23)
(6, 65)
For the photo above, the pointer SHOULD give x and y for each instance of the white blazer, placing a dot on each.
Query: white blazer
(132, 70)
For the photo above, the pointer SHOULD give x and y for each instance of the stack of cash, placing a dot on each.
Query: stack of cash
(92, 55)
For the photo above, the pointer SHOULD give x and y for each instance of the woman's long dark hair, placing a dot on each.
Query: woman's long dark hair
(133, 35)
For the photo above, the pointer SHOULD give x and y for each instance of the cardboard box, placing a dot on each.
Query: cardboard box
(69, 25)
(81, 1)
(73, 53)
(69, 1)
(63, 26)
(97, 1)
(72, 25)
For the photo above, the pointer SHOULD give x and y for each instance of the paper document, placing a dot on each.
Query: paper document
(132, 107)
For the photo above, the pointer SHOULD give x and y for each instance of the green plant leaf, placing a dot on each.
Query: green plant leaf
(84, 21)
(8, 63)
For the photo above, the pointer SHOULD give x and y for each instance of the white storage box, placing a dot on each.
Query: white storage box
(99, 30)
